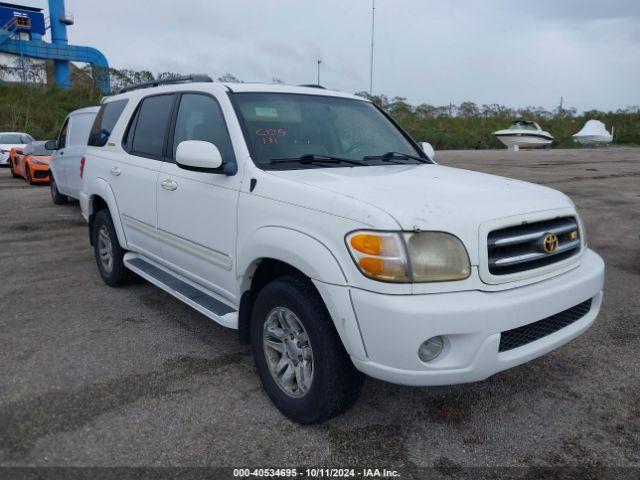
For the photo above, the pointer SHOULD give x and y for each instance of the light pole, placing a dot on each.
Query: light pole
(373, 29)
(319, 62)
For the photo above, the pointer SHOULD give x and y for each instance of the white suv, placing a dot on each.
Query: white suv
(312, 223)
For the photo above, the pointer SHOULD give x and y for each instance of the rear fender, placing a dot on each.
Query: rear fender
(100, 188)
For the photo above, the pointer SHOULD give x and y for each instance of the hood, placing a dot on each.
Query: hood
(44, 159)
(434, 197)
(9, 146)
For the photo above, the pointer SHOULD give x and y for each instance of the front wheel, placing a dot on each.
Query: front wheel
(13, 170)
(108, 252)
(27, 174)
(56, 196)
(300, 359)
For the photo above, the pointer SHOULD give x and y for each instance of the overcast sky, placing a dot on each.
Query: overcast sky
(490, 51)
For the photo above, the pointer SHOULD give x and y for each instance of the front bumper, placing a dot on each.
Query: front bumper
(39, 173)
(394, 326)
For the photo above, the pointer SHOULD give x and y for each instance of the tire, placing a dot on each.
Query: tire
(56, 196)
(13, 171)
(105, 241)
(27, 174)
(335, 384)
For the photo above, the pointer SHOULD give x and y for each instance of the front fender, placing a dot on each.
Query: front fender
(100, 188)
(313, 258)
(290, 246)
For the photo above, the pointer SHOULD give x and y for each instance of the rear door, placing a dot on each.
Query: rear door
(76, 145)
(134, 174)
(197, 210)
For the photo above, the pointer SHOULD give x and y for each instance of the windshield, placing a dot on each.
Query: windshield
(523, 126)
(11, 138)
(281, 126)
(37, 149)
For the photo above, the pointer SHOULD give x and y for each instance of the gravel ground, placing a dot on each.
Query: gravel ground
(95, 376)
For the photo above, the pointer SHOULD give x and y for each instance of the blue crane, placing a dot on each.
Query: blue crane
(21, 32)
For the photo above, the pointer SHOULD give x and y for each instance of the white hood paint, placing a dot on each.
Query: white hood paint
(6, 147)
(434, 197)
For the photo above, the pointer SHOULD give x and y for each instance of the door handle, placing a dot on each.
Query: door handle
(115, 171)
(169, 185)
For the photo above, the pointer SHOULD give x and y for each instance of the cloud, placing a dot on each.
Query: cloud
(495, 51)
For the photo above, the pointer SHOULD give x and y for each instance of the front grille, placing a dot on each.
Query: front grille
(40, 174)
(535, 331)
(521, 248)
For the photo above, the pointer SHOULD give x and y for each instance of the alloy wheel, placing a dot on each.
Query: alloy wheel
(105, 249)
(288, 352)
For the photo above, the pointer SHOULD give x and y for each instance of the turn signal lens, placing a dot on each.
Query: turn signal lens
(379, 255)
(369, 244)
(373, 266)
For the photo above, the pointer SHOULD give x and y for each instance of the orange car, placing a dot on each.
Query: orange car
(31, 163)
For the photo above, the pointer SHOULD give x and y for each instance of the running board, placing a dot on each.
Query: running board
(203, 301)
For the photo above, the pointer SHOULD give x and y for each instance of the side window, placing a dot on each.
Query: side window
(62, 138)
(200, 118)
(105, 121)
(151, 125)
(79, 128)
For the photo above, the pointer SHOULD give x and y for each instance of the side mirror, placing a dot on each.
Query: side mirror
(427, 148)
(51, 145)
(199, 156)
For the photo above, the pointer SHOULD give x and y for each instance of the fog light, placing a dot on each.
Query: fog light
(430, 349)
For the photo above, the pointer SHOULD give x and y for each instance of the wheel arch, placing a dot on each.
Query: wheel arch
(102, 197)
(273, 252)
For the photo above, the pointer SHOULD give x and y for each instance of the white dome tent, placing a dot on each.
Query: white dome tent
(594, 132)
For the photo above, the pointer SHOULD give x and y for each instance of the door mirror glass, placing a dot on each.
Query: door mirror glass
(427, 148)
(198, 155)
(51, 145)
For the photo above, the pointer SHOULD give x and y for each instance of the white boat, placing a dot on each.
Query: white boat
(524, 134)
(594, 132)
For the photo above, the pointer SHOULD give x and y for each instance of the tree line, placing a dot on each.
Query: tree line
(40, 109)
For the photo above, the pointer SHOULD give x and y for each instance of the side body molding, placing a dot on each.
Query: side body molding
(101, 188)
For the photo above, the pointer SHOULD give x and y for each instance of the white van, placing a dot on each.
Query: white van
(66, 161)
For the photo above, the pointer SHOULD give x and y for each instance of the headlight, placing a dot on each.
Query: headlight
(409, 257)
(38, 162)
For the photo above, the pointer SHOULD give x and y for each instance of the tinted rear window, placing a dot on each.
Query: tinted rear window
(151, 125)
(105, 121)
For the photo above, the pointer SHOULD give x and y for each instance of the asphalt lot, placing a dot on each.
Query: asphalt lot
(95, 376)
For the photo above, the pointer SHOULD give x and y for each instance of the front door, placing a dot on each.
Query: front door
(197, 211)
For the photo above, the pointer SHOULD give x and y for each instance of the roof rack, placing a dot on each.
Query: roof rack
(168, 81)
(313, 85)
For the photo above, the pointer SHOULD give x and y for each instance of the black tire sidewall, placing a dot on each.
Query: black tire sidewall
(281, 293)
(56, 196)
(118, 273)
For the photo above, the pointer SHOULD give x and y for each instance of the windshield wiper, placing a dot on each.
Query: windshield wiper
(315, 158)
(395, 155)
